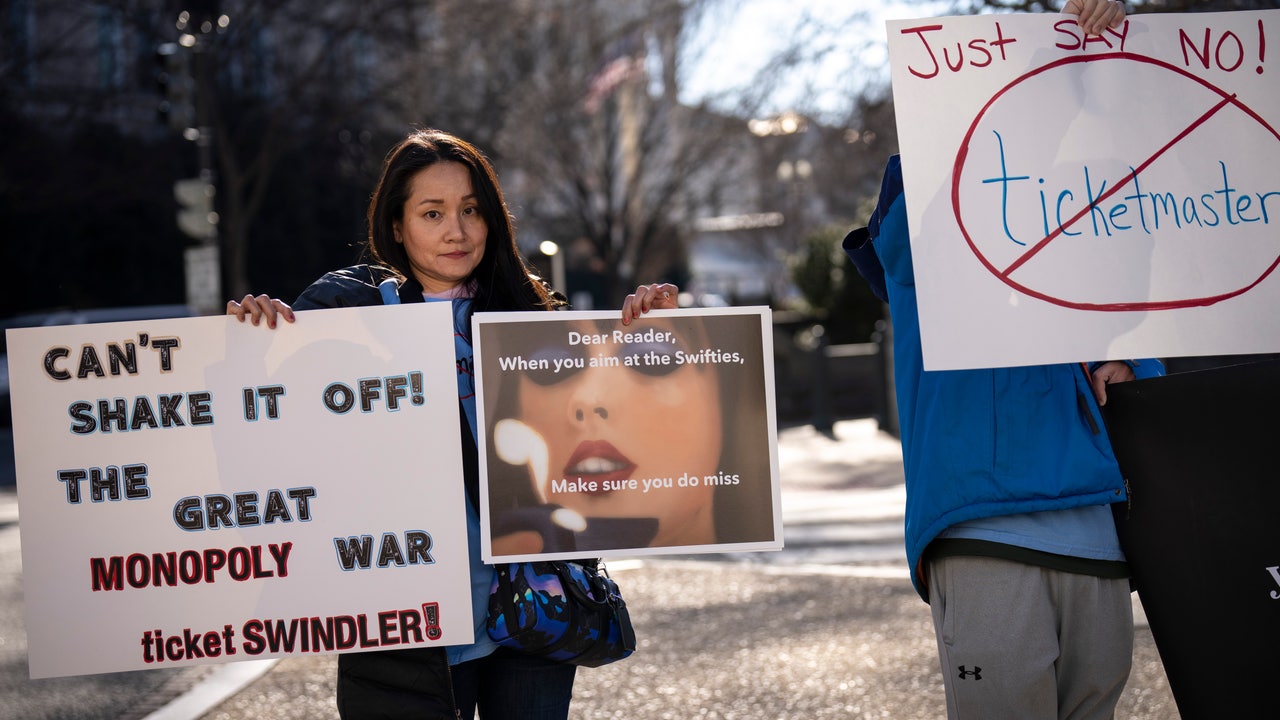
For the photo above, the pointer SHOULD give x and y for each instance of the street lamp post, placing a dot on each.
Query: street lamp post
(793, 174)
(188, 62)
(781, 133)
(552, 251)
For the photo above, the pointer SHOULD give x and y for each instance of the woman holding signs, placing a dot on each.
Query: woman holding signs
(440, 231)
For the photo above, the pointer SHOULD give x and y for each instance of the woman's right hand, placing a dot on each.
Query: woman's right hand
(257, 307)
(654, 296)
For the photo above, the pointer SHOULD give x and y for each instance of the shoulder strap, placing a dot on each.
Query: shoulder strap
(390, 291)
(470, 462)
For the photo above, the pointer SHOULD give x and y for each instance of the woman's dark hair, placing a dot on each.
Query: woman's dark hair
(502, 280)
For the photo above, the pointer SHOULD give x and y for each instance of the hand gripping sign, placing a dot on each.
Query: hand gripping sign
(1082, 198)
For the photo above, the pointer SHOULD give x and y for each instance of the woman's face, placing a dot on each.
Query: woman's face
(613, 424)
(441, 228)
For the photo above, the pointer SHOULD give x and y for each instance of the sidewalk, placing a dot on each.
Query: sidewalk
(732, 642)
(828, 628)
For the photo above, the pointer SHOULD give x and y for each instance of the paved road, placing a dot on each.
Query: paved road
(104, 697)
(827, 628)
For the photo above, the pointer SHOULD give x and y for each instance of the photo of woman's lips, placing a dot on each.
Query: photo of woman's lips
(598, 460)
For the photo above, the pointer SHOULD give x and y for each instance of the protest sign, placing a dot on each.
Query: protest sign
(202, 490)
(1197, 451)
(1076, 198)
(603, 438)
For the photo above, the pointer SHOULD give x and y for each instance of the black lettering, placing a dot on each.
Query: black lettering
(89, 363)
(169, 416)
(354, 551)
(126, 358)
(50, 363)
(390, 551)
(81, 413)
(107, 573)
(188, 514)
(165, 347)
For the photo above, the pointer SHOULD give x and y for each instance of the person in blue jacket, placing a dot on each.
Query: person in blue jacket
(1009, 529)
(1009, 532)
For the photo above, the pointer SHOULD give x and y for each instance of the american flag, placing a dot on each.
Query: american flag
(627, 61)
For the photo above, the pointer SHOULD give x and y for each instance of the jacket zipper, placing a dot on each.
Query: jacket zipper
(1093, 425)
(1088, 414)
(453, 699)
(1083, 402)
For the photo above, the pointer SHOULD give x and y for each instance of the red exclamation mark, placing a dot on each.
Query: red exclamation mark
(1262, 46)
(431, 613)
(415, 386)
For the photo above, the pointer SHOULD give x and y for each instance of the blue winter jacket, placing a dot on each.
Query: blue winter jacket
(980, 443)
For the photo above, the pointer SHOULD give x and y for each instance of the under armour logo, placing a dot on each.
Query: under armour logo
(975, 673)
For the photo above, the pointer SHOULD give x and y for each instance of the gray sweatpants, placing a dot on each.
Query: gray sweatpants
(1023, 642)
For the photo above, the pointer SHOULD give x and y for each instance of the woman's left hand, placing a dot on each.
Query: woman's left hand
(655, 296)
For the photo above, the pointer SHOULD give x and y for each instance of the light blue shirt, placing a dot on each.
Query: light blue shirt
(481, 574)
(481, 581)
(1083, 532)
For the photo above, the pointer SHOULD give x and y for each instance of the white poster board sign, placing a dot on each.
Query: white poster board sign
(600, 438)
(1077, 198)
(201, 491)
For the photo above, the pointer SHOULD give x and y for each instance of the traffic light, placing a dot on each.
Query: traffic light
(196, 217)
(177, 86)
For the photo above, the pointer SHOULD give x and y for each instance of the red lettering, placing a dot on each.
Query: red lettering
(190, 567)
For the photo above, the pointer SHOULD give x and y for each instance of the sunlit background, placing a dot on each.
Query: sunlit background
(165, 156)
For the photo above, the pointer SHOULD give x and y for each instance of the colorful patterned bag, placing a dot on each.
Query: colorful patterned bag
(569, 611)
